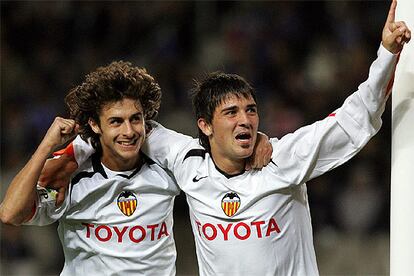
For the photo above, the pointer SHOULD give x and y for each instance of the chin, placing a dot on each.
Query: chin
(245, 153)
(128, 155)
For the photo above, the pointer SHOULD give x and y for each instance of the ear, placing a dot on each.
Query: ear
(94, 125)
(205, 127)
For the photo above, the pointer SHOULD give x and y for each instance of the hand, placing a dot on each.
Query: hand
(262, 153)
(56, 174)
(61, 131)
(395, 34)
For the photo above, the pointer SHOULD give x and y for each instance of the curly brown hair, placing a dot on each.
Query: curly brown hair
(108, 84)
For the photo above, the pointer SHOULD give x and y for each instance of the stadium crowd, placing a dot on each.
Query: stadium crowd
(303, 58)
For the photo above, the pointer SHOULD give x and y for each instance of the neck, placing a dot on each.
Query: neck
(228, 166)
(121, 165)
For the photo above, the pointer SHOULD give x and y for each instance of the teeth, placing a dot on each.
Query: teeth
(127, 143)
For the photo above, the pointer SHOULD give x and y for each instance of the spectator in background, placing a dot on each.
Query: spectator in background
(358, 206)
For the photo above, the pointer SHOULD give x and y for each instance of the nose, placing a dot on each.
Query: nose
(128, 130)
(244, 119)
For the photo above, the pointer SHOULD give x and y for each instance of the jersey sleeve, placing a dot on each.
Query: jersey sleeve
(166, 146)
(82, 150)
(45, 211)
(326, 144)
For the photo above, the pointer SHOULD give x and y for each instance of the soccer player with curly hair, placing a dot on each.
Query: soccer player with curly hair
(116, 216)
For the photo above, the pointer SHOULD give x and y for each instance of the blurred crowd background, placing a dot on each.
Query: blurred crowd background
(303, 58)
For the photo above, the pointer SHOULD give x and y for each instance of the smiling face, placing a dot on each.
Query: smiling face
(121, 131)
(232, 132)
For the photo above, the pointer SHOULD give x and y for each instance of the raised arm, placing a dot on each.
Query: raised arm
(57, 172)
(326, 144)
(20, 198)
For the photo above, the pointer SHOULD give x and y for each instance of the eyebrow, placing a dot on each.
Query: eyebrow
(235, 107)
(138, 113)
(119, 117)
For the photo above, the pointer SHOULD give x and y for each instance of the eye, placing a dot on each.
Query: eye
(115, 121)
(137, 118)
(252, 109)
(230, 112)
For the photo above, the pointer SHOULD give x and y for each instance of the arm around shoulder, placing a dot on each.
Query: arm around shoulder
(164, 146)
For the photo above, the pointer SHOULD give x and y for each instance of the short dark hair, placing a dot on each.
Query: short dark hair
(212, 91)
(108, 84)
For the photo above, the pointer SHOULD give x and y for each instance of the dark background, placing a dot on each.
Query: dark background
(303, 58)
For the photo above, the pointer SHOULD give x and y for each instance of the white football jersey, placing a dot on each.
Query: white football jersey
(258, 222)
(114, 223)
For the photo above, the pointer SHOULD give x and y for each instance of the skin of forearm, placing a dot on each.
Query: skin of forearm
(20, 197)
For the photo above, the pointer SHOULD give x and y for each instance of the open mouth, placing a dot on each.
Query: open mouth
(243, 136)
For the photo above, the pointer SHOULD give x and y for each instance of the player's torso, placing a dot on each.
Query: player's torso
(122, 222)
(252, 223)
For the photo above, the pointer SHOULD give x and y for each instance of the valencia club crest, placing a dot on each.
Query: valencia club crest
(127, 203)
(230, 203)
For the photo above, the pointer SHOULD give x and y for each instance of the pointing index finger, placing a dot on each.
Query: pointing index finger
(391, 13)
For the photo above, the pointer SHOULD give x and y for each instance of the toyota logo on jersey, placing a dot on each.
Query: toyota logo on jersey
(230, 203)
(127, 203)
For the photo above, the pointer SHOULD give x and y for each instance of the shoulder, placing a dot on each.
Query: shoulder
(195, 153)
(88, 169)
(152, 176)
(159, 132)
